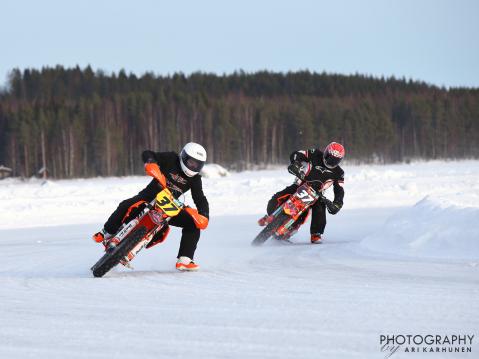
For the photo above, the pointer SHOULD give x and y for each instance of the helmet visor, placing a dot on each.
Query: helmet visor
(330, 160)
(191, 163)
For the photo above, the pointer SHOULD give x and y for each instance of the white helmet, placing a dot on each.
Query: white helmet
(192, 158)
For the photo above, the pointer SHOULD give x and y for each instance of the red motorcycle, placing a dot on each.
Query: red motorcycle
(283, 221)
(138, 232)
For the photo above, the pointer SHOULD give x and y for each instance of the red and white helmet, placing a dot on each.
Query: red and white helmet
(333, 154)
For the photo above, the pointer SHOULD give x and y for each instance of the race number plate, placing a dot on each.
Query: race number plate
(305, 197)
(165, 201)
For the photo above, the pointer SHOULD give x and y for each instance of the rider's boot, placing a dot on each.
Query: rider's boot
(265, 220)
(101, 236)
(186, 264)
(316, 238)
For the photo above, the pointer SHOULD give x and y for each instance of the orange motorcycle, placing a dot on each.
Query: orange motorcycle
(138, 232)
(282, 222)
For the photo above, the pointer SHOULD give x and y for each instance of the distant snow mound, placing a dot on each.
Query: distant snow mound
(433, 228)
(213, 170)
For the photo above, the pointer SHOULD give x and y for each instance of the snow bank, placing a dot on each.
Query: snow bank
(213, 170)
(436, 227)
(35, 202)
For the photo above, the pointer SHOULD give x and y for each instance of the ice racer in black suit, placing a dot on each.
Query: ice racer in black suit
(322, 170)
(181, 173)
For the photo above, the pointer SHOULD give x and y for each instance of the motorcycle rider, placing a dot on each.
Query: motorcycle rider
(321, 169)
(182, 174)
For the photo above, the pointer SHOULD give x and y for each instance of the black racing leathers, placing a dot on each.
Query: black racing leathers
(178, 183)
(320, 177)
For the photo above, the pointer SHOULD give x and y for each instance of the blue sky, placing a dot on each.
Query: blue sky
(436, 41)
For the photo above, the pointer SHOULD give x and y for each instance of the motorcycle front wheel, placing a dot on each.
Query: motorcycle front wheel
(111, 258)
(268, 231)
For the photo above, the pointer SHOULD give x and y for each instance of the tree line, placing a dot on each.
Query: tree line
(80, 123)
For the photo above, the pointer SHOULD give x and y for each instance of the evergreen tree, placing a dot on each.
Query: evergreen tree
(77, 122)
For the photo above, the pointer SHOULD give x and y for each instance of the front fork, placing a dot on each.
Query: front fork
(150, 219)
(293, 212)
(281, 230)
(126, 229)
(153, 227)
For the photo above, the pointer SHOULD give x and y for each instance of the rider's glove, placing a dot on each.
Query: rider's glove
(295, 169)
(334, 207)
(299, 156)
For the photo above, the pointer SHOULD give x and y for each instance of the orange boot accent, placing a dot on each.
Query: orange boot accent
(265, 220)
(316, 238)
(98, 237)
(186, 264)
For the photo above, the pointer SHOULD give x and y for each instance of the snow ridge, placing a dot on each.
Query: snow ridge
(432, 228)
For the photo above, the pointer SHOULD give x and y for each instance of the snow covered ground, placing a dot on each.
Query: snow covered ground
(402, 257)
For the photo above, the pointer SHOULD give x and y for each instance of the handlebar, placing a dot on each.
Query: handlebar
(295, 169)
(153, 170)
(321, 198)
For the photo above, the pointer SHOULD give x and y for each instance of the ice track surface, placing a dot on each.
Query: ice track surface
(298, 300)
